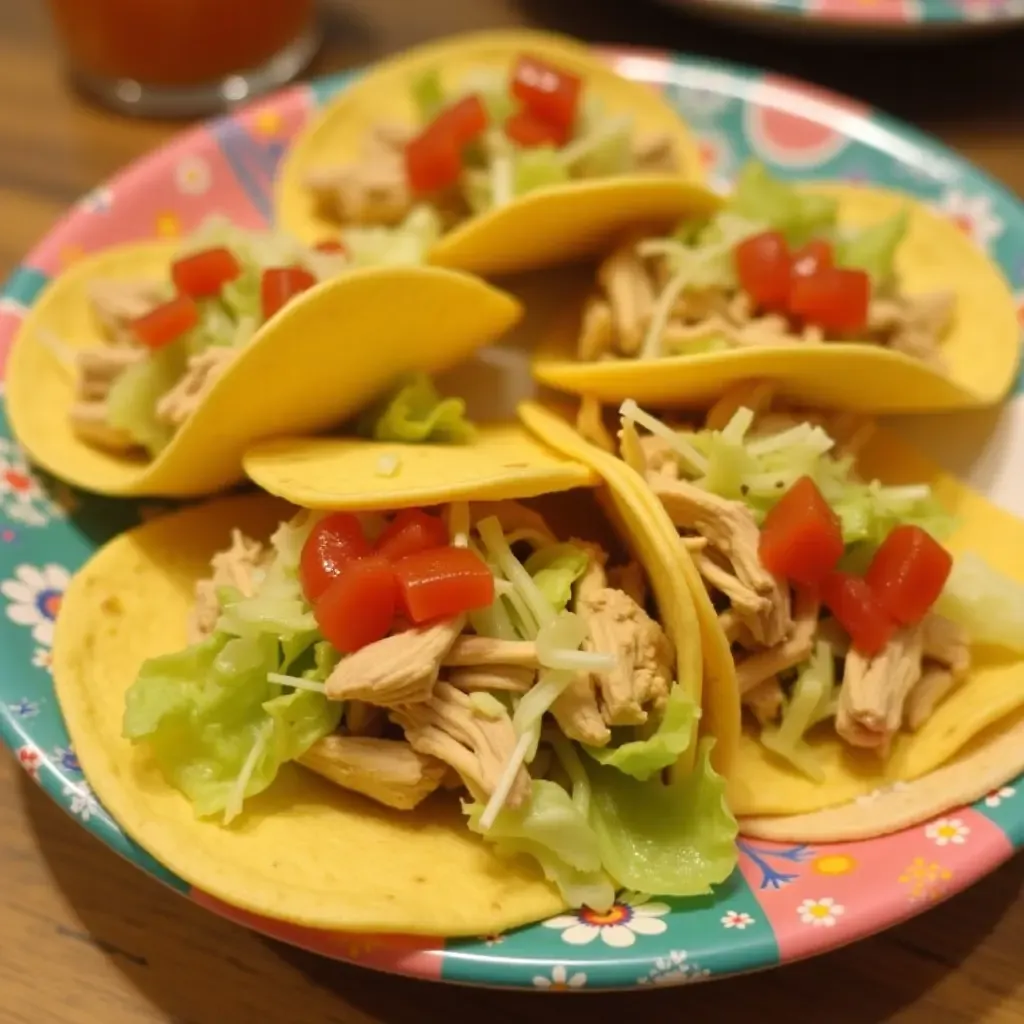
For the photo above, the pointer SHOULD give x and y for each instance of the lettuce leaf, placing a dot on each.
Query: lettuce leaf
(873, 248)
(643, 758)
(555, 569)
(674, 840)
(985, 602)
(415, 413)
(777, 205)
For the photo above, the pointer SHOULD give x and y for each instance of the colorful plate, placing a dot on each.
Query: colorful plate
(784, 902)
(866, 19)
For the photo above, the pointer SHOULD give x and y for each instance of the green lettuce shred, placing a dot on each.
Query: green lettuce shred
(415, 413)
(986, 603)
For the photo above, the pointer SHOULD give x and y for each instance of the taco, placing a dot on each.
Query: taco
(531, 149)
(301, 749)
(846, 295)
(874, 644)
(142, 368)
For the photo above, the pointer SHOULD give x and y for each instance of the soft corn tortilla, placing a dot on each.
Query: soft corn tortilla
(984, 705)
(711, 673)
(304, 851)
(332, 350)
(543, 228)
(981, 348)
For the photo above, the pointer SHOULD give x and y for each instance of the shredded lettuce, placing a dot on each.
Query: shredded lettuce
(776, 205)
(218, 722)
(406, 244)
(985, 602)
(758, 471)
(812, 700)
(554, 569)
(643, 758)
(537, 168)
(427, 94)
(551, 829)
(133, 397)
(873, 248)
(674, 840)
(415, 413)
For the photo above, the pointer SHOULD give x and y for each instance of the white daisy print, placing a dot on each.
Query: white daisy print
(83, 803)
(24, 708)
(99, 200)
(737, 919)
(193, 176)
(22, 497)
(561, 980)
(973, 214)
(675, 969)
(995, 798)
(617, 927)
(42, 657)
(946, 831)
(820, 913)
(34, 597)
(30, 759)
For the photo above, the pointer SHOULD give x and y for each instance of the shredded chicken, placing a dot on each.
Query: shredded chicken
(596, 332)
(875, 690)
(89, 423)
(756, 668)
(590, 424)
(931, 689)
(373, 189)
(765, 700)
(630, 291)
(237, 566)
(388, 771)
(116, 303)
(947, 643)
(400, 669)
(630, 579)
(477, 651)
(735, 630)
(202, 371)
(96, 369)
(449, 726)
(492, 678)
(730, 528)
(913, 324)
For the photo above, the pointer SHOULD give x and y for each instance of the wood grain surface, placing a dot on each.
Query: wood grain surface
(85, 938)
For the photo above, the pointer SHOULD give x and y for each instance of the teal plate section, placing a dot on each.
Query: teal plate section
(783, 902)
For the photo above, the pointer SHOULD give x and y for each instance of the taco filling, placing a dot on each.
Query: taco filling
(465, 648)
(843, 609)
(495, 137)
(772, 267)
(169, 340)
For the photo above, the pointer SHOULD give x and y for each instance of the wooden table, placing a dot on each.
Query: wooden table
(87, 939)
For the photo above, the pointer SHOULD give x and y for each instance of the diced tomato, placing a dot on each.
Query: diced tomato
(834, 298)
(801, 538)
(279, 285)
(334, 542)
(359, 605)
(853, 604)
(908, 572)
(465, 120)
(441, 582)
(529, 132)
(332, 245)
(166, 323)
(764, 266)
(433, 161)
(549, 93)
(205, 273)
(410, 531)
(814, 256)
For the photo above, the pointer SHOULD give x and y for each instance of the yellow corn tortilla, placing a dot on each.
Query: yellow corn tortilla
(332, 350)
(304, 851)
(711, 673)
(763, 785)
(543, 228)
(503, 462)
(981, 348)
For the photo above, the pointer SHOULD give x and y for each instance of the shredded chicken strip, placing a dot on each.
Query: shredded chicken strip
(596, 332)
(237, 566)
(117, 302)
(201, 372)
(492, 678)
(735, 629)
(478, 651)
(388, 771)
(730, 527)
(765, 700)
(97, 368)
(913, 324)
(934, 686)
(756, 668)
(947, 643)
(449, 726)
(400, 669)
(875, 690)
(630, 291)
(89, 423)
